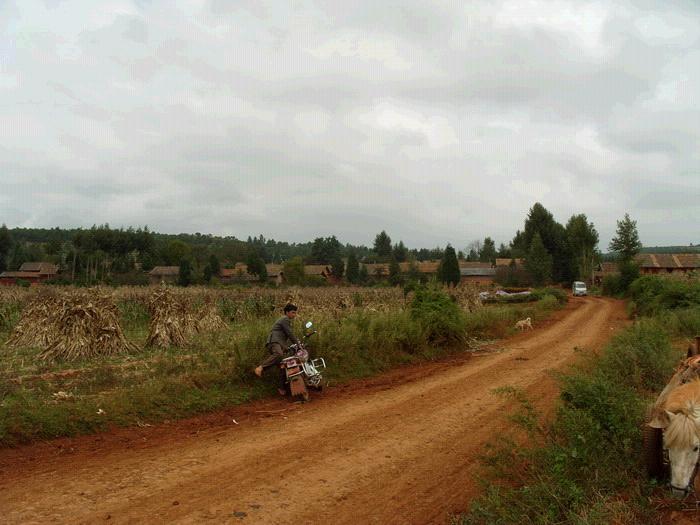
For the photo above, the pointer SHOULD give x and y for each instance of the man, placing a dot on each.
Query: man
(281, 336)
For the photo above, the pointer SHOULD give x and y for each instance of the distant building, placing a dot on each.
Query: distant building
(32, 272)
(477, 273)
(672, 264)
(667, 263)
(164, 274)
(239, 274)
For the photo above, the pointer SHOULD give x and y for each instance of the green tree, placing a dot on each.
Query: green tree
(553, 236)
(214, 265)
(400, 252)
(395, 277)
(504, 251)
(582, 238)
(449, 267)
(6, 245)
(325, 251)
(626, 243)
(488, 251)
(363, 275)
(184, 276)
(175, 251)
(256, 266)
(353, 270)
(538, 261)
(382, 245)
(294, 270)
(337, 266)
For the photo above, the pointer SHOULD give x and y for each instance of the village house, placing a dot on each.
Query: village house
(32, 272)
(164, 274)
(239, 274)
(476, 272)
(669, 264)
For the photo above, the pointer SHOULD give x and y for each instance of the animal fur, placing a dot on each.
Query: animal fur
(683, 408)
(524, 324)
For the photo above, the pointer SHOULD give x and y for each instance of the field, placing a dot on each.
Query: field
(81, 361)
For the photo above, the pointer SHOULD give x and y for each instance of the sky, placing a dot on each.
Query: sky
(435, 121)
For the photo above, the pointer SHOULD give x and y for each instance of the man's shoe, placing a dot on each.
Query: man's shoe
(282, 391)
(258, 371)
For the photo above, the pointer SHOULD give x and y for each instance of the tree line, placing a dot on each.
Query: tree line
(552, 252)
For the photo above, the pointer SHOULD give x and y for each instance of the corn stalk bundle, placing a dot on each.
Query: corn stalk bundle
(210, 320)
(172, 322)
(87, 325)
(38, 323)
(467, 297)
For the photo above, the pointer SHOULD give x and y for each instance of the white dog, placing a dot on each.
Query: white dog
(523, 324)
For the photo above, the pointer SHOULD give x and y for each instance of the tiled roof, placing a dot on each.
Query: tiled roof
(474, 264)
(668, 260)
(39, 267)
(164, 270)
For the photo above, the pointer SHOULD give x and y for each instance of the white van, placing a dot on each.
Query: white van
(579, 288)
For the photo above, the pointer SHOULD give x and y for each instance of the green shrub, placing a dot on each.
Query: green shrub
(653, 294)
(440, 316)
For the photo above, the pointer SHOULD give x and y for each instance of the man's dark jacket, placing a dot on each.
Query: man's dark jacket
(282, 333)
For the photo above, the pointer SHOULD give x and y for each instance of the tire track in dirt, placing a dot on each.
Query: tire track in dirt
(405, 454)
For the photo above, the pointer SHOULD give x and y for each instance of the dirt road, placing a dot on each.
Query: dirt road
(401, 448)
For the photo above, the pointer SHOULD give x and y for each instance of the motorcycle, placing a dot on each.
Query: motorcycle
(301, 373)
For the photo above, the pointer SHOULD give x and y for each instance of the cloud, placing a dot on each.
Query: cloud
(439, 122)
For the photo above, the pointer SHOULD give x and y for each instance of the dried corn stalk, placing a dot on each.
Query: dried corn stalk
(37, 325)
(172, 323)
(210, 319)
(87, 325)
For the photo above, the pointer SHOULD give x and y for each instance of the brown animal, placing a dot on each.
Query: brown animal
(523, 324)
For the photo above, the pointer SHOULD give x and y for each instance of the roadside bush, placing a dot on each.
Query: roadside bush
(653, 294)
(557, 293)
(685, 322)
(438, 314)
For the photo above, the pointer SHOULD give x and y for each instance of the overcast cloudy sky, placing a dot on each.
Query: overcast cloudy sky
(436, 121)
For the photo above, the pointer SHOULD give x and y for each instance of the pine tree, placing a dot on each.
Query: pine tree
(395, 277)
(538, 261)
(626, 243)
(488, 251)
(382, 245)
(400, 252)
(352, 272)
(362, 275)
(582, 238)
(337, 266)
(449, 267)
(184, 276)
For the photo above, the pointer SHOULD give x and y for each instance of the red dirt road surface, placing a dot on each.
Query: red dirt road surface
(400, 448)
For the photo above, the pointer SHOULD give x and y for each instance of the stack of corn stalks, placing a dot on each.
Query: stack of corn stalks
(467, 297)
(172, 322)
(87, 325)
(37, 325)
(209, 320)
